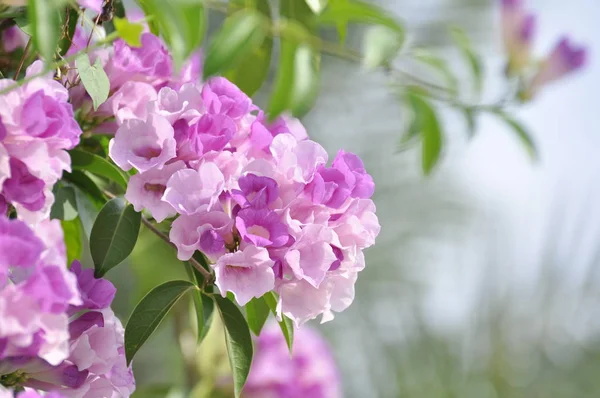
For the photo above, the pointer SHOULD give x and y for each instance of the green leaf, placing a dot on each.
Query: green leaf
(44, 19)
(147, 7)
(69, 24)
(317, 6)
(381, 44)
(181, 22)
(466, 48)
(257, 312)
(203, 318)
(114, 235)
(72, 236)
(342, 12)
(521, 133)
(286, 324)
(86, 184)
(94, 79)
(440, 66)
(252, 70)
(81, 160)
(471, 120)
(239, 342)
(430, 130)
(65, 205)
(241, 34)
(131, 32)
(149, 313)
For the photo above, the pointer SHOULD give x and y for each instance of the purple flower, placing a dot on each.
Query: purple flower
(190, 191)
(19, 246)
(96, 294)
(566, 58)
(256, 191)
(246, 274)
(261, 227)
(94, 5)
(22, 187)
(13, 38)
(309, 372)
(212, 132)
(207, 232)
(222, 97)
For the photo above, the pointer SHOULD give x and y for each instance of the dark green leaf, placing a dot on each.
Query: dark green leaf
(201, 302)
(86, 184)
(429, 127)
(69, 23)
(65, 206)
(113, 235)
(342, 12)
(464, 44)
(72, 235)
(131, 32)
(181, 22)
(81, 160)
(299, 12)
(239, 342)
(381, 44)
(286, 324)
(440, 66)
(521, 133)
(44, 19)
(94, 79)
(242, 33)
(257, 312)
(88, 208)
(252, 70)
(149, 313)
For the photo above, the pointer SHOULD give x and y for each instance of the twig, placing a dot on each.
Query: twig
(27, 47)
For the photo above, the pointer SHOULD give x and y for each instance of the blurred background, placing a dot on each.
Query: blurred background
(483, 282)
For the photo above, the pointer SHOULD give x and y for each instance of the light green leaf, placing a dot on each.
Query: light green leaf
(65, 206)
(430, 130)
(131, 32)
(286, 324)
(316, 5)
(94, 79)
(381, 44)
(114, 235)
(463, 42)
(239, 342)
(521, 133)
(345, 11)
(257, 312)
(72, 236)
(440, 66)
(149, 313)
(252, 70)
(241, 34)
(81, 160)
(44, 19)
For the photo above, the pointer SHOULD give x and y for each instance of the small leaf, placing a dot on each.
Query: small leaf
(257, 312)
(251, 71)
(344, 11)
(81, 160)
(241, 34)
(69, 24)
(149, 313)
(131, 32)
(381, 44)
(72, 236)
(239, 342)
(471, 121)
(440, 66)
(114, 235)
(521, 133)
(65, 206)
(44, 19)
(316, 5)
(429, 127)
(286, 324)
(464, 44)
(94, 79)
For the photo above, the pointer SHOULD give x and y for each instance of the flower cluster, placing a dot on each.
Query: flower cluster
(309, 372)
(257, 198)
(57, 332)
(36, 127)
(518, 28)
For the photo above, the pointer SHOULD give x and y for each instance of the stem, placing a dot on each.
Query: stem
(27, 47)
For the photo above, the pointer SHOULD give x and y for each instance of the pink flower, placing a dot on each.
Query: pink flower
(297, 161)
(245, 273)
(130, 101)
(145, 190)
(94, 5)
(143, 145)
(518, 29)
(207, 232)
(221, 97)
(565, 59)
(190, 191)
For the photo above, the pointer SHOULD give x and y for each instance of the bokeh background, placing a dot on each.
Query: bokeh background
(484, 281)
